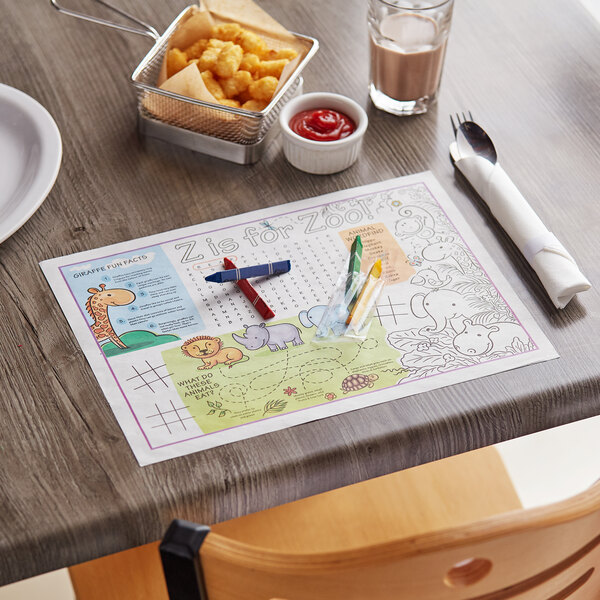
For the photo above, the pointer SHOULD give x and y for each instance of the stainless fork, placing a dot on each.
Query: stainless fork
(458, 119)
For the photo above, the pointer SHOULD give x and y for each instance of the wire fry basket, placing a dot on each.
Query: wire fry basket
(225, 132)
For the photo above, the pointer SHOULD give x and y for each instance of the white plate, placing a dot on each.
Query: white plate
(30, 153)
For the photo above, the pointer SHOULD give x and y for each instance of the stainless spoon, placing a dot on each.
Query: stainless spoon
(471, 140)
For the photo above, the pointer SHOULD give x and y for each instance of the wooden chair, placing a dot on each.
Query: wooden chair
(450, 530)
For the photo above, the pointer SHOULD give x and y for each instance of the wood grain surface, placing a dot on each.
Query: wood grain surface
(408, 504)
(71, 489)
(433, 532)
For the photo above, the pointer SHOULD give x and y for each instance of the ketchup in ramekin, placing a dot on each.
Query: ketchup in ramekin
(322, 125)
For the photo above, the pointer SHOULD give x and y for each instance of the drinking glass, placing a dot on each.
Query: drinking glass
(407, 43)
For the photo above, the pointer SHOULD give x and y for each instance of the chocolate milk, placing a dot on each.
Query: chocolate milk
(410, 66)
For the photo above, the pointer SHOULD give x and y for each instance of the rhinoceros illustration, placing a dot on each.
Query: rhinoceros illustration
(275, 337)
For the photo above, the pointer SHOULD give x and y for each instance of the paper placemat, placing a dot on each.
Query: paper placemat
(188, 365)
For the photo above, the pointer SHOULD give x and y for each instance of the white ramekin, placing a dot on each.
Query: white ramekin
(322, 158)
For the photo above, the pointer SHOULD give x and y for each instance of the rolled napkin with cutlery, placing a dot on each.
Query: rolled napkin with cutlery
(553, 264)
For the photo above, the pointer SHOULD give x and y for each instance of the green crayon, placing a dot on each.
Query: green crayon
(355, 260)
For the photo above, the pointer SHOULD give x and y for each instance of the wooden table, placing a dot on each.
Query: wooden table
(71, 488)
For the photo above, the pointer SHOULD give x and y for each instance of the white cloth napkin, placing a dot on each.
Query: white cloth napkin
(555, 267)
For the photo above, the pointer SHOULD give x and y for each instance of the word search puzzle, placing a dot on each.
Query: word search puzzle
(188, 364)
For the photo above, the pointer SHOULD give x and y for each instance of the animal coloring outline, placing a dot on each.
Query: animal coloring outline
(97, 307)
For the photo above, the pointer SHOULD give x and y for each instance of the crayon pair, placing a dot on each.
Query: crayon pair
(240, 276)
(361, 302)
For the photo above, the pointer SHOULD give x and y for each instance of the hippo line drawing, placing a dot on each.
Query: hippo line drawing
(444, 307)
(275, 337)
(476, 340)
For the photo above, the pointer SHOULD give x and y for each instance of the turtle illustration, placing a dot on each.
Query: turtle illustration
(357, 381)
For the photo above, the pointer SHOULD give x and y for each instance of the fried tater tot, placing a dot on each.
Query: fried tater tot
(239, 82)
(244, 96)
(256, 105)
(176, 60)
(212, 85)
(263, 88)
(230, 102)
(271, 67)
(215, 43)
(196, 50)
(249, 62)
(283, 53)
(208, 59)
(229, 60)
(226, 31)
(251, 42)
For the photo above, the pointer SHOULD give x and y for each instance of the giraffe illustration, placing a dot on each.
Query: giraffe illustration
(97, 305)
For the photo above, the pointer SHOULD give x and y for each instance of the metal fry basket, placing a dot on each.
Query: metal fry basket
(232, 134)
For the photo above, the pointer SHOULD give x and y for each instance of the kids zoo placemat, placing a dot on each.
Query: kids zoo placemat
(187, 365)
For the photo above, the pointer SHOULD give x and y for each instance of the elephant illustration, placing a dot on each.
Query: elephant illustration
(444, 307)
(313, 317)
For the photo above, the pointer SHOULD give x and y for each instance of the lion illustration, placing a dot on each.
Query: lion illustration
(210, 351)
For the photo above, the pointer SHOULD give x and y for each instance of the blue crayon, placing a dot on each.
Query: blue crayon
(274, 268)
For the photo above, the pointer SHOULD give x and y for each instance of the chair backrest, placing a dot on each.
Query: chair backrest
(545, 553)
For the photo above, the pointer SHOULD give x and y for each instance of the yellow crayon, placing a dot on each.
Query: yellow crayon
(366, 292)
